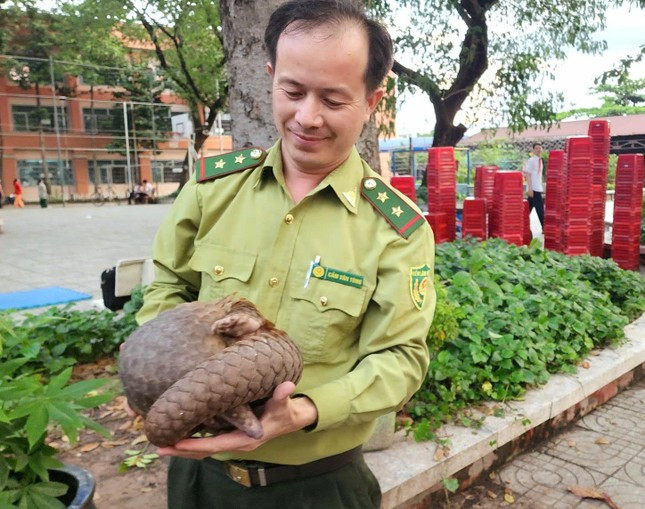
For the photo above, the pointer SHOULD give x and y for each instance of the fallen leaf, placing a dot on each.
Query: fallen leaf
(89, 447)
(492, 475)
(584, 492)
(508, 496)
(470, 496)
(586, 365)
(601, 441)
(139, 439)
(113, 443)
(571, 443)
(491, 494)
(595, 353)
(438, 454)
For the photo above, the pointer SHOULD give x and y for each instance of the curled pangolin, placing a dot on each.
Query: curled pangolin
(198, 366)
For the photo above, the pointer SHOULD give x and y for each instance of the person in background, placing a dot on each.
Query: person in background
(327, 251)
(533, 174)
(17, 192)
(135, 194)
(147, 191)
(42, 193)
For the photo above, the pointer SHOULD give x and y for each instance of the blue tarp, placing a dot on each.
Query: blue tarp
(41, 297)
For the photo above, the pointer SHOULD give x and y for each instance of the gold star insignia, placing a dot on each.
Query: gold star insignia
(382, 197)
(397, 211)
(220, 163)
(240, 159)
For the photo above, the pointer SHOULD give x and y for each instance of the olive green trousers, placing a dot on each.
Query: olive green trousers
(205, 485)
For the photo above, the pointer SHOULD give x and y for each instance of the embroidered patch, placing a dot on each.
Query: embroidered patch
(419, 280)
(337, 276)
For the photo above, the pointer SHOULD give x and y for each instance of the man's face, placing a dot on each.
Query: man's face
(537, 150)
(320, 101)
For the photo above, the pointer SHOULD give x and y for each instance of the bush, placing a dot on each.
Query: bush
(523, 313)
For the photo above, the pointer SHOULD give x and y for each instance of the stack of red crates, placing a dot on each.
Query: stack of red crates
(474, 218)
(505, 216)
(526, 232)
(625, 242)
(553, 200)
(576, 225)
(442, 192)
(600, 138)
(405, 184)
(485, 182)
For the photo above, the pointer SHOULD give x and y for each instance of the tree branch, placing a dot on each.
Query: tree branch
(418, 79)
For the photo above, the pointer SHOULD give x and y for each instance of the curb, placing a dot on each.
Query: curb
(409, 476)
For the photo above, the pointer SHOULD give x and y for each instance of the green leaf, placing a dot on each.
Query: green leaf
(36, 425)
(50, 488)
(59, 381)
(80, 389)
(450, 483)
(4, 473)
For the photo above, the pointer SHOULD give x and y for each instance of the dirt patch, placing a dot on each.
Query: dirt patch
(136, 488)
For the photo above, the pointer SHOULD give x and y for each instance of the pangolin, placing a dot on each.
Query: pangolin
(199, 366)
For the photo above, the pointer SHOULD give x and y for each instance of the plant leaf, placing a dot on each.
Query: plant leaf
(36, 425)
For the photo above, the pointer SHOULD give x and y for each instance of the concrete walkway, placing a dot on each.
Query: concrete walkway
(604, 450)
(70, 246)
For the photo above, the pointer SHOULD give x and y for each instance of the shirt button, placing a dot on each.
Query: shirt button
(218, 270)
(273, 282)
(288, 219)
(323, 301)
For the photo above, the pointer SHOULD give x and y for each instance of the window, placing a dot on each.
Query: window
(166, 171)
(30, 170)
(109, 172)
(28, 118)
(101, 120)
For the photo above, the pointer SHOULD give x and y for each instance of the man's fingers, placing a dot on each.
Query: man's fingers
(283, 391)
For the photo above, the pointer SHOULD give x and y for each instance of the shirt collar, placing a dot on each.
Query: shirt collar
(344, 180)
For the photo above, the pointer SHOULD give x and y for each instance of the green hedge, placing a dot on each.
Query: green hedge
(522, 313)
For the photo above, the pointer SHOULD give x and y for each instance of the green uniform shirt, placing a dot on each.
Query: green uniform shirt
(363, 339)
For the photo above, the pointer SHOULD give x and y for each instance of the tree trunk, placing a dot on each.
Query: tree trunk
(243, 24)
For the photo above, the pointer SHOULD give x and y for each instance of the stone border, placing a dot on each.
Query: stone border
(409, 476)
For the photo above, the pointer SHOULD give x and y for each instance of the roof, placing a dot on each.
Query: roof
(619, 126)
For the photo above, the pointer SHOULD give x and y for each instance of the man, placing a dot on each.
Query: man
(42, 193)
(327, 251)
(147, 190)
(533, 174)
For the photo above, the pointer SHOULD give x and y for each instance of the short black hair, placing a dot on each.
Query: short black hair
(536, 144)
(314, 13)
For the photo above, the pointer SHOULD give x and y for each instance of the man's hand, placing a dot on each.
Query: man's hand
(530, 193)
(282, 415)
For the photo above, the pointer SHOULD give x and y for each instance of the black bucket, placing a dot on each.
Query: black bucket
(81, 484)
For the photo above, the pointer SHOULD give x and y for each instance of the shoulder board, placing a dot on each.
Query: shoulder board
(403, 218)
(209, 168)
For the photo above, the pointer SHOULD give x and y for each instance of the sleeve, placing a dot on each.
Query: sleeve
(173, 248)
(393, 351)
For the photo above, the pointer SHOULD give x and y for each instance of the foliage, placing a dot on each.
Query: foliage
(487, 56)
(573, 304)
(61, 336)
(623, 96)
(185, 39)
(30, 405)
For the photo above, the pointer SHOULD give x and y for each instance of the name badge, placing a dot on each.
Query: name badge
(337, 276)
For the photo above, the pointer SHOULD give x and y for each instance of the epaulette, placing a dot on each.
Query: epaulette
(209, 168)
(403, 218)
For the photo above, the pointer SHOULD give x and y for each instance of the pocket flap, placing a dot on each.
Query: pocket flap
(326, 295)
(221, 262)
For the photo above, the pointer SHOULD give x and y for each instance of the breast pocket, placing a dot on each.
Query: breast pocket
(224, 270)
(325, 316)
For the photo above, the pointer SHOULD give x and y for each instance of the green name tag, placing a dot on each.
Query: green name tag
(337, 276)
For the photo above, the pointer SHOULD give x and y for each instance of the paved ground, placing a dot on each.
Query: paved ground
(605, 450)
(70, 247)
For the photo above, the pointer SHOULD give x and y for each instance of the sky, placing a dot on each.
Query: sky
(624, 34)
